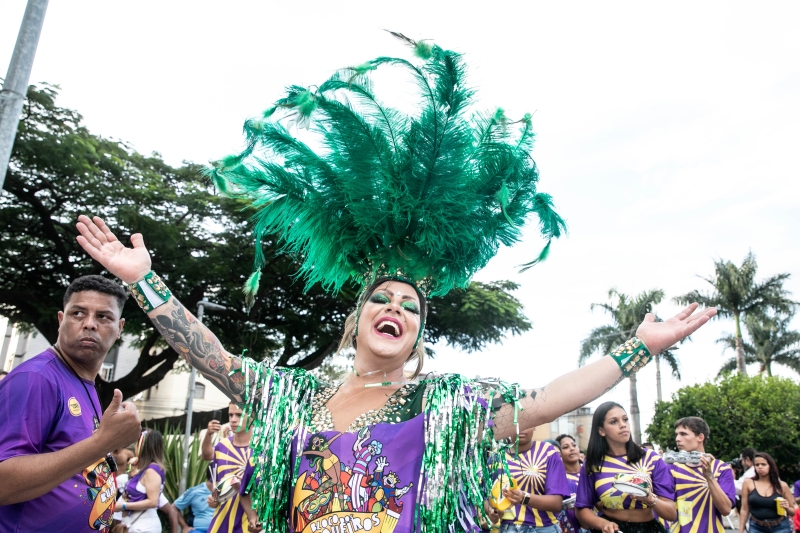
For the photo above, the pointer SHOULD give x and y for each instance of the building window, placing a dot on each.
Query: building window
(199, 391)
(107, 372)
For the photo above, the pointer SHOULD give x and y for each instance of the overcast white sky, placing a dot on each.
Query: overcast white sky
(668, 134)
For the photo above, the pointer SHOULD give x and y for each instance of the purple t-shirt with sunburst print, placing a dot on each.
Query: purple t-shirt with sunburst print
(538, 471)
(599, 485)
(230, 461)
(696, 510)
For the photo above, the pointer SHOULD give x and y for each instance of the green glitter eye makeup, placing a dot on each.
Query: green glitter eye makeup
(410, 306)
(379, 298)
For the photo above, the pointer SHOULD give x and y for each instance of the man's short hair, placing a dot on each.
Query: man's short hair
(696, 425)
(749, 453)
(98, 284)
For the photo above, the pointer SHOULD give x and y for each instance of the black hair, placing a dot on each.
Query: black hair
(97, 284)
(565, 436)
(696, 425)
(749, 453)
(774, 476)
(598, 446)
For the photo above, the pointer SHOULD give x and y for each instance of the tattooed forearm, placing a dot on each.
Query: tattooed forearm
(201, 348)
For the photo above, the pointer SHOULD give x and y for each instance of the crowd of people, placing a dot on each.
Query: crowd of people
(554, 488)
(545, 487)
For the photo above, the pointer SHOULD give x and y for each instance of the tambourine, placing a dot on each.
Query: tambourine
(226, 489)
(687, 458)
(633, 484)
(497, 500)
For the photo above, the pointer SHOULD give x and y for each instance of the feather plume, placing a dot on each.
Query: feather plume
(430, 197)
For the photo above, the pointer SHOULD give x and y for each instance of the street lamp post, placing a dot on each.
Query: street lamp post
(202, 305)
(15, 87)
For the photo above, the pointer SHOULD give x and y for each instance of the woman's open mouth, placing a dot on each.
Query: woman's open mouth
(389, 327)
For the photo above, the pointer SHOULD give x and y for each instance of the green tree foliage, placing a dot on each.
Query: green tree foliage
(627, 313)
(173, 461)
(762, 412)
(736, 294)
(201, 245)
(771, 341)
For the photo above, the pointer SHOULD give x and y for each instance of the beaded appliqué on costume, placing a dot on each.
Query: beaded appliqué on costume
(396, 409)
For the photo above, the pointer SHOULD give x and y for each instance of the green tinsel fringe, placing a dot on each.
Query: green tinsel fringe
(459, 444)
(279, 405)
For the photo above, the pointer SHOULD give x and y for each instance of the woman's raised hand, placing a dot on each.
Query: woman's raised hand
(658, 336)
(128, 264)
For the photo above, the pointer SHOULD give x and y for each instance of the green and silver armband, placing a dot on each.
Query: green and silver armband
(631, 356)
(150, 292)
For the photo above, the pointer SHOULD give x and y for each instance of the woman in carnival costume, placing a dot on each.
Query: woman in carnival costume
(407, 207)
(628, 485)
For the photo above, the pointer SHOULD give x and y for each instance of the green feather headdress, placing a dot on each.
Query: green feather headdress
(428, 197)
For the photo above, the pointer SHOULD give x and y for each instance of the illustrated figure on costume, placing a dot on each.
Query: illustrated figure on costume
(407, 207)
(325, 480)
(384, 492)
(363, 454)
(102, 494)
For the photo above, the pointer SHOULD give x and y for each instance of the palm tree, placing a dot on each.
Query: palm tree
(772, 342)
(672, 360)
(736, 294)
(627, 313)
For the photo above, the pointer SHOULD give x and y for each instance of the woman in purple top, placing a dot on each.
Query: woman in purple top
(612, 453)
(570, 456)
(140, 501)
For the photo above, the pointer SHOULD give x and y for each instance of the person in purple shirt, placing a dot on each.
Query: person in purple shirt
(613, 453)
(796, 489)
(143, 490)
(704, 493)
(541, 483)
(570, 456)
(52, 438)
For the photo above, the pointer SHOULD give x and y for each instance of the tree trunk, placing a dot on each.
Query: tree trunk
(658, 378)
(635, 425)
(741, 364)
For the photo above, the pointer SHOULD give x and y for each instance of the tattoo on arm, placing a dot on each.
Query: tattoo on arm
(201, 348)
(526, 412)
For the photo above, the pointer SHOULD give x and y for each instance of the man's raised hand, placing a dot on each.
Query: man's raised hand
(658, 336)
(120, 425)
(128, 264)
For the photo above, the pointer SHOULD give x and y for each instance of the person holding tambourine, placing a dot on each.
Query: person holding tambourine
(628, 485)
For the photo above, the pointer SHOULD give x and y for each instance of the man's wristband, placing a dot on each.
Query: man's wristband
(526, 498)
(150, 292)
(631, 356)
(124, 506)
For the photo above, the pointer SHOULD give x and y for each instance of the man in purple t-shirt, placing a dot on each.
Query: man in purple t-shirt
(53, 442)
(705, 493)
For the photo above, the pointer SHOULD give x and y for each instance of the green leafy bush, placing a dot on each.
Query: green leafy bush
(761, 412)
(173, 459)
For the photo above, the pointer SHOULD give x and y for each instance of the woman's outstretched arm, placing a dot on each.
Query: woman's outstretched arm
(179, 327)
(581, 386)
